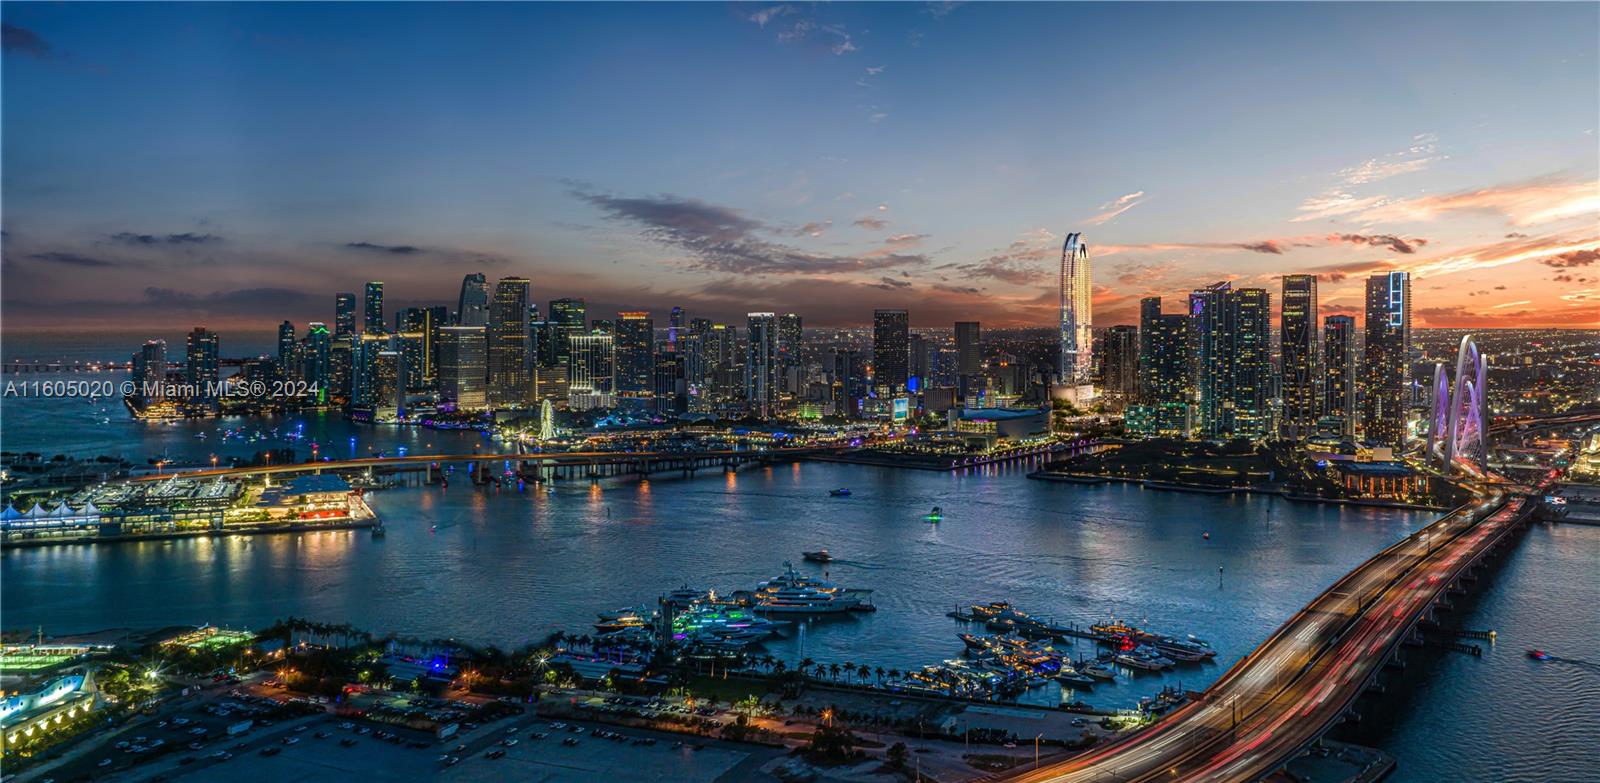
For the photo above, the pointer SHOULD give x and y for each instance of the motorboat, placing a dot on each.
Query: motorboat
(1539, 655)
(839, 493)
(936, 515)
(627, 617)
(1074, 678)
(819, 556)
(1097, 669)
(1142, 657)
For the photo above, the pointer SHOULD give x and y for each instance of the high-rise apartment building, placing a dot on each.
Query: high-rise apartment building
(463, 367)
(1339, 373)
(1076, 362)
(636, 350)
(891, 349)
(1230, 331)
(1386, 361)
(592, 382)
(204, 359)
(509, 358)
(344, 314)
(1119, 365)
(374, 308)
(1298, 332)
(1165, 376)
(761, 367)
(472, 305)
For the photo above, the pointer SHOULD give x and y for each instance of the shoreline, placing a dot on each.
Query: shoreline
(1086, 479)
(34, 543)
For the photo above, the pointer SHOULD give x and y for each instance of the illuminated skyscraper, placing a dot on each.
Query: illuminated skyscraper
(316, 360)
(790, 359)
(675, 332)
(1230, 333)
(150, 370)
(1164, 373)
(1386, 364)
(463, 367)
(636, 341)
(969, 356)
(761, 365)
(1119, 364)
(1077, 358)
(203, 360)
(288, 359)
(509, 365)
(472, 306)
(374, 308)
(891, 349)
(1339, 372)
(592, 381)
(1298, 337)
(568, 319)
(344, 314)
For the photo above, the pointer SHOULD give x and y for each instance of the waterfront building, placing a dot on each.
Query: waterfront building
(1164, 377)
(463, 367)
(374, 308)
(592, 381)
(1386, 363)
(341, 363)
(846, 382)
(1119, 363)
(472, 305)
(1300, 355)
(150, 370)
(1076, 364)
(508, 355)
(365, 381)
(761, 365)
(920, 367)
(636, 337)
(316, 361)
(344, 314)
(891, 350)
(791, 360)
(1338, 376)
(1230, 331)
(204, 359)
(387, 390)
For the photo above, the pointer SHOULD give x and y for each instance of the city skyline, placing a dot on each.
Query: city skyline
(900, 156)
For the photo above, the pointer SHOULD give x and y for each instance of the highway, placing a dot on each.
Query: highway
(1301, 680)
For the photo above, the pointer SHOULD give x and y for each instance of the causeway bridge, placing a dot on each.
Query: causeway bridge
(539, 465)
(1305, 679)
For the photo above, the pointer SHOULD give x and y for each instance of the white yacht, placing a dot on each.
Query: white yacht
(794, 593)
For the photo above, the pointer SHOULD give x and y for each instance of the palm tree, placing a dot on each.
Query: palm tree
(863, 672)
(833, 671)
(880, 672)
(805, 663)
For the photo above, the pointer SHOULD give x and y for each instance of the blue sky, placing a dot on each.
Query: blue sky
(237, 164)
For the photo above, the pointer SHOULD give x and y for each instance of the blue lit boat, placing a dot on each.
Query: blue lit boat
(839, 493)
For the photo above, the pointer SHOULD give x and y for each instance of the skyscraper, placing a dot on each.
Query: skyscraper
(316, 360)
(203, 354)
(761, 365)
(1386, 363)
(150, 370)
(508, 343)
(969, 348)
(675, 324)
(592, 380)
(286, 346)
(790, 359)
(374, 308)
(1208, 355)
(344, 314)
(472, 306)
(636, 340)
(1077, 359)
(1248, 411)
(463, 367)
(1339, 372)
(1119, 368)
(891, 349)
(568, 319)
(1231, 337)
(1298, 337)
(1164, 373)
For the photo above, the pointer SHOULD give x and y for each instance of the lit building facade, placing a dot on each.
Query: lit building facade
(1339, 375)
(635, 332)
(761, 366)
(1298, 332)
(891, 350)
(509, 362)
(374, 308)
(1077, 351)
(463, 367)
(1386, 363)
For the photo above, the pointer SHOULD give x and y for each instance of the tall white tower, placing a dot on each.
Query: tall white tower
(1076, 349)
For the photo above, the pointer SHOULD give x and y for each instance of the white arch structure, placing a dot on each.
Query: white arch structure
(1459, 426)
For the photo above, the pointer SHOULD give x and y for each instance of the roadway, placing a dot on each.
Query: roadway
(1300, 682)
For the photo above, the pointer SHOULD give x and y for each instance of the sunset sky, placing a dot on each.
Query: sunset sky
(235, 165)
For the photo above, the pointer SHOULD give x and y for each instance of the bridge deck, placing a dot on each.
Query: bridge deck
(1298, 684)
